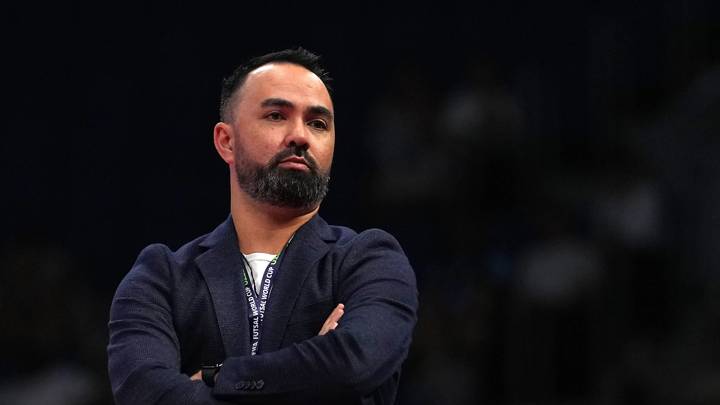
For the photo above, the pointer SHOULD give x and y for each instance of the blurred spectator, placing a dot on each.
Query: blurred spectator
(53, 327)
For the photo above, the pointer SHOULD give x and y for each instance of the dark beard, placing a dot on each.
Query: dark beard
(280, 187)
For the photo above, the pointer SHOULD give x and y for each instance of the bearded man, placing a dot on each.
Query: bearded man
(274, 305)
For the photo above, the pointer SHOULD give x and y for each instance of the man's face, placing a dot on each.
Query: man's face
(284, 136)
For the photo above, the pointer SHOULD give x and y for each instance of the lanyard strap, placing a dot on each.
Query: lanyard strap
(258, 303)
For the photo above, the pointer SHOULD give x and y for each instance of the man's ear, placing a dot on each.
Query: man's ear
(224, 142)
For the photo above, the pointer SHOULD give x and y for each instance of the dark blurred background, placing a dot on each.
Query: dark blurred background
(552, 171)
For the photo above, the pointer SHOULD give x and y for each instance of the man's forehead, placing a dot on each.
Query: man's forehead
(277, 75)
(264, 68)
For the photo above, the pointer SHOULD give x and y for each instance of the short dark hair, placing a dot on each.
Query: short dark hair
(234, 82)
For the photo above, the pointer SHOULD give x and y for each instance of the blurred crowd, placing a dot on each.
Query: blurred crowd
(555, 268)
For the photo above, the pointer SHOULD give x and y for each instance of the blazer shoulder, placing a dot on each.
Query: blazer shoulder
(189, 251)
(159, 257)
(155, 252)
(369, 238)
(368, 248)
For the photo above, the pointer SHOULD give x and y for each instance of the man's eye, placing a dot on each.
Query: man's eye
(274, 116)
(318, 124)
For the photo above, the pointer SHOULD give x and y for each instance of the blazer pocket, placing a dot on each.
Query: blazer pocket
(312, 313)
(306, 321)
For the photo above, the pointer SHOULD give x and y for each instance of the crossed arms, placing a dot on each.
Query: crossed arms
(330, 324)
(350, 359)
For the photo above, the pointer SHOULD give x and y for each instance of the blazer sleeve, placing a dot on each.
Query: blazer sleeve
(143, 352)
(377, 285)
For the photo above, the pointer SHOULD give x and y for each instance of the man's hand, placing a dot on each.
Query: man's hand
(330, 323)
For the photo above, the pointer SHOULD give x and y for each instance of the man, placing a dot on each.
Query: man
(274, 305)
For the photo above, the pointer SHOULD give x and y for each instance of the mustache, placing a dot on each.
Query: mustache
(294, 151)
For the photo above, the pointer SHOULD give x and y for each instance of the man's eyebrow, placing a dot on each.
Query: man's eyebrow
(314, 110)
(321, 111)
(277, 102)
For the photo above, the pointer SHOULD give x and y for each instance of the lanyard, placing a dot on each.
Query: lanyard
(258, 302)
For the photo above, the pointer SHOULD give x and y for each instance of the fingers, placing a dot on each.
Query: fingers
(197, 376)
(336, 314)
(332, 320)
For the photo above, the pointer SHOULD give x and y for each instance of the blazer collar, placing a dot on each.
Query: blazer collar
(222, 265)
(307, 247)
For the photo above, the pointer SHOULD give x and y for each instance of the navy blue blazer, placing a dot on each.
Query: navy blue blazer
(175, 311)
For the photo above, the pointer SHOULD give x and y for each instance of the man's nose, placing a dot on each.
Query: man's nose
(297, 135)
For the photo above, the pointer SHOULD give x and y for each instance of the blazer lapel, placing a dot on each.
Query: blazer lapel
(305, 249)
(222, 266)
